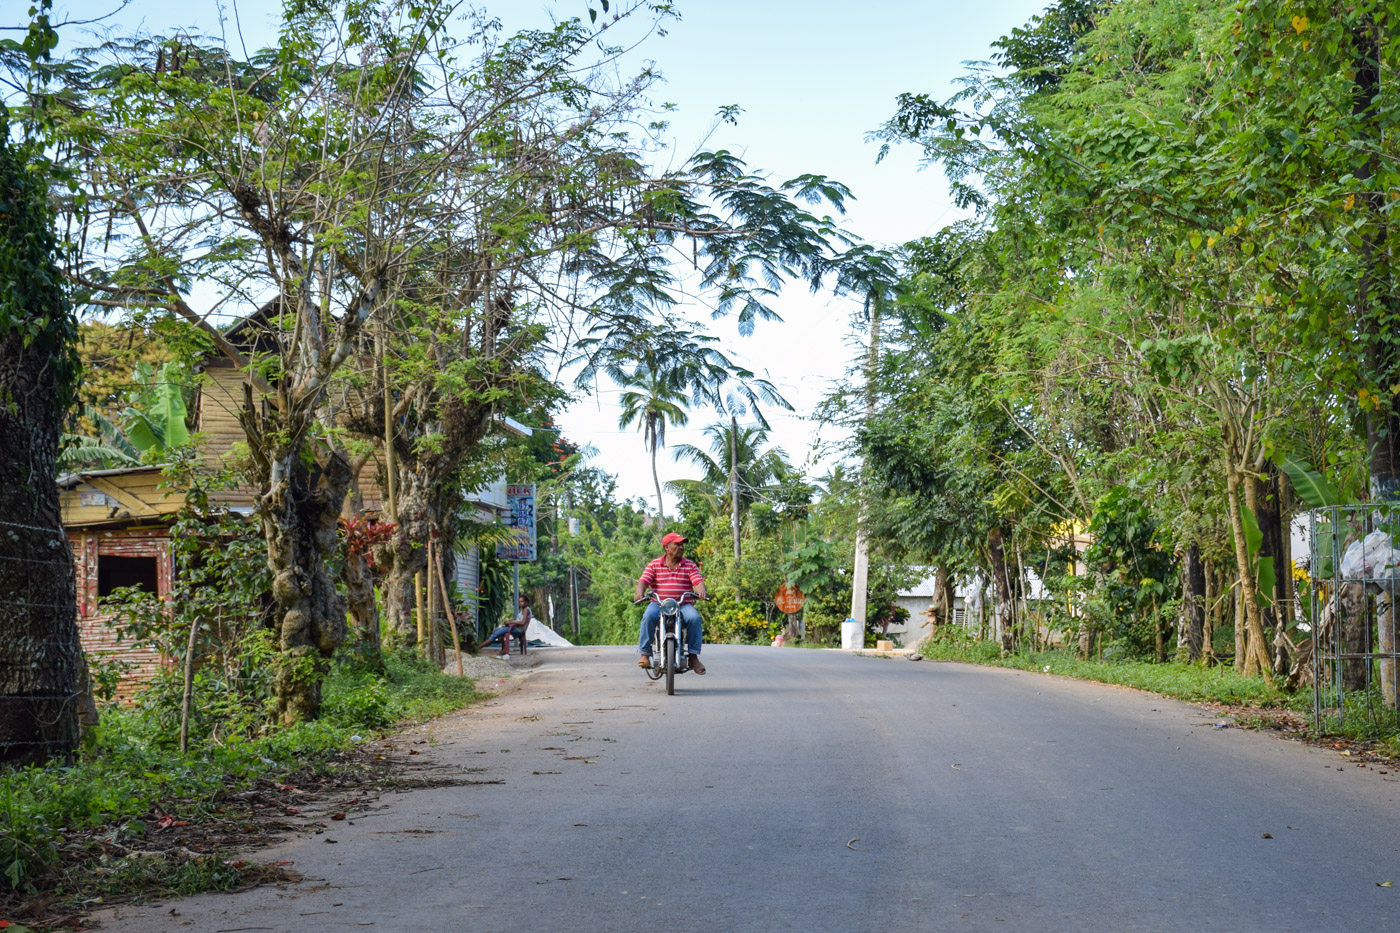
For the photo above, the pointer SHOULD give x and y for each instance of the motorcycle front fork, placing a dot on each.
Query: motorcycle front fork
(665, 630)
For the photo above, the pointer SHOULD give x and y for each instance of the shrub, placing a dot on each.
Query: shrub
(743, 623)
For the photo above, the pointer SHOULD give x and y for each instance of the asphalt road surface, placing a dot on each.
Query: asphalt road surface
(790, 789)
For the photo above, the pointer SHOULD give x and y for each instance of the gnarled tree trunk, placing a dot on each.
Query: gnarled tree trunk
(942, 596)
(300, 502)
(1254, 656)
(358, 578)
(298, 517)
(405, 555)
(41, 661)
(1005, 615)
(361, 607)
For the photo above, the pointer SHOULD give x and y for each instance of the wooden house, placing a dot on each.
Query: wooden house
(118, 520)
(118, 527)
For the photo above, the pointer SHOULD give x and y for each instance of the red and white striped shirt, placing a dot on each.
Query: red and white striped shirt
(672, 584)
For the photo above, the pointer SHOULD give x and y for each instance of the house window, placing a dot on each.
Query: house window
(115, 572)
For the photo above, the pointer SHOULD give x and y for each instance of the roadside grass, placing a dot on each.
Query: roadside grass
(1189, 682)
(74, 835)
(1366, 719)
(1255, 703)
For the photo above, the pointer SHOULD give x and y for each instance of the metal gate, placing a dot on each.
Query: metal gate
(1353, 576)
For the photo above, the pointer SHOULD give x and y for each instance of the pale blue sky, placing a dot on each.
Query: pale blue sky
(812, 78)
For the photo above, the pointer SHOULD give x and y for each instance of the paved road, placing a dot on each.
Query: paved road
(815, 791)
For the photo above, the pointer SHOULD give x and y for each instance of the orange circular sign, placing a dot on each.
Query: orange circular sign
(789, 598)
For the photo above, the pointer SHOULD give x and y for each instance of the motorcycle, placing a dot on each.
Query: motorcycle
(667, 658)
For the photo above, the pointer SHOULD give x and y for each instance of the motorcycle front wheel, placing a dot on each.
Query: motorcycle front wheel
(670, 667)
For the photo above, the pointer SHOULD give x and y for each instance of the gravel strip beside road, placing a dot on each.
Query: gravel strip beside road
(490, 666)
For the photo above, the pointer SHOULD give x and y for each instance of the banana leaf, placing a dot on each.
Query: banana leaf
(1265, 582)
(1311, 486)
(1253, 537)
(159, 422)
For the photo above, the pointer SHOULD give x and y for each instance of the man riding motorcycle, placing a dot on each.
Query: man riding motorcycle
(672, 576)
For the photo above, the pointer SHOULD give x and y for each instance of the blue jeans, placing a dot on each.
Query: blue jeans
(503, 635)
(690, 627)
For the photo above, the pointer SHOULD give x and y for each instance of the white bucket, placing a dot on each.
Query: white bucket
(852, 635)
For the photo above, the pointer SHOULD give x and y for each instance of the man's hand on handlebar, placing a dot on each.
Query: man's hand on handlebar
(651, 595)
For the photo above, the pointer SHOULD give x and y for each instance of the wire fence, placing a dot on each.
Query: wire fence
(41, 663)
(1354, 575)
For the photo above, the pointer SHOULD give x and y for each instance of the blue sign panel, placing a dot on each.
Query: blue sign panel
(520, 519)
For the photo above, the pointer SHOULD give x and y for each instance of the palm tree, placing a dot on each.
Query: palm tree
(652, 396)
(690, 362)
(737, 471)
(665, 368)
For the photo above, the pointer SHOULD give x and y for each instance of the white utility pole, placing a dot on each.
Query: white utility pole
(734, 483)
(853, 629)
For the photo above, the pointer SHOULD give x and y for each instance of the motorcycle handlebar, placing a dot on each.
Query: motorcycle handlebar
(651, 596)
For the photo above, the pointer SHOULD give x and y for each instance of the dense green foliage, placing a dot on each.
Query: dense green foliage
(34, 309)
(1172, 286)
(418, 200)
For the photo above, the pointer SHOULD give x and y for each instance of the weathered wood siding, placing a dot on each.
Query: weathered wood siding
(221, 436)
(119, 498)
(220, 398)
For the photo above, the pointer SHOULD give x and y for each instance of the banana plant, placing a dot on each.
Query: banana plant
(109, 449)
(1311, 486)
(1265, 577)
(156, 423)
(78, 452)
(1319, 492)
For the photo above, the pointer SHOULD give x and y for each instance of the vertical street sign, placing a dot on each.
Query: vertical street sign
(520, 519)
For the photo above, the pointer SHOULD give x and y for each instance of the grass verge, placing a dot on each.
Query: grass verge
(133, 817)
(1250, 701)
(1189, 682)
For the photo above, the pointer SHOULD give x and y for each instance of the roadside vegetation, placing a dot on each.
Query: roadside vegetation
(1092, 410)
(1105, 400)
(1190, 682)
(132, 816)
(1248, 701)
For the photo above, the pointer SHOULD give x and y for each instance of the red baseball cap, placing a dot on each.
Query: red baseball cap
(672, 537)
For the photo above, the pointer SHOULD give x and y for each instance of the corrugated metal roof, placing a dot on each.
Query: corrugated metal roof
(73, 479)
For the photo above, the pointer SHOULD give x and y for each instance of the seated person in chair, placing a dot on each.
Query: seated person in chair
(515, 627)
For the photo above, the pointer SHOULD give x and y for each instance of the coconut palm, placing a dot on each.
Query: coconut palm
(738, 470)
(665, 369)
(652, 397)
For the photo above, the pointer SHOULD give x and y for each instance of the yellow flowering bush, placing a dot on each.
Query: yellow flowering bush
(736, 622)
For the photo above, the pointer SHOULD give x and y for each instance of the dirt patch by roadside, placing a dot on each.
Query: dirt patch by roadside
(1297, 727)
